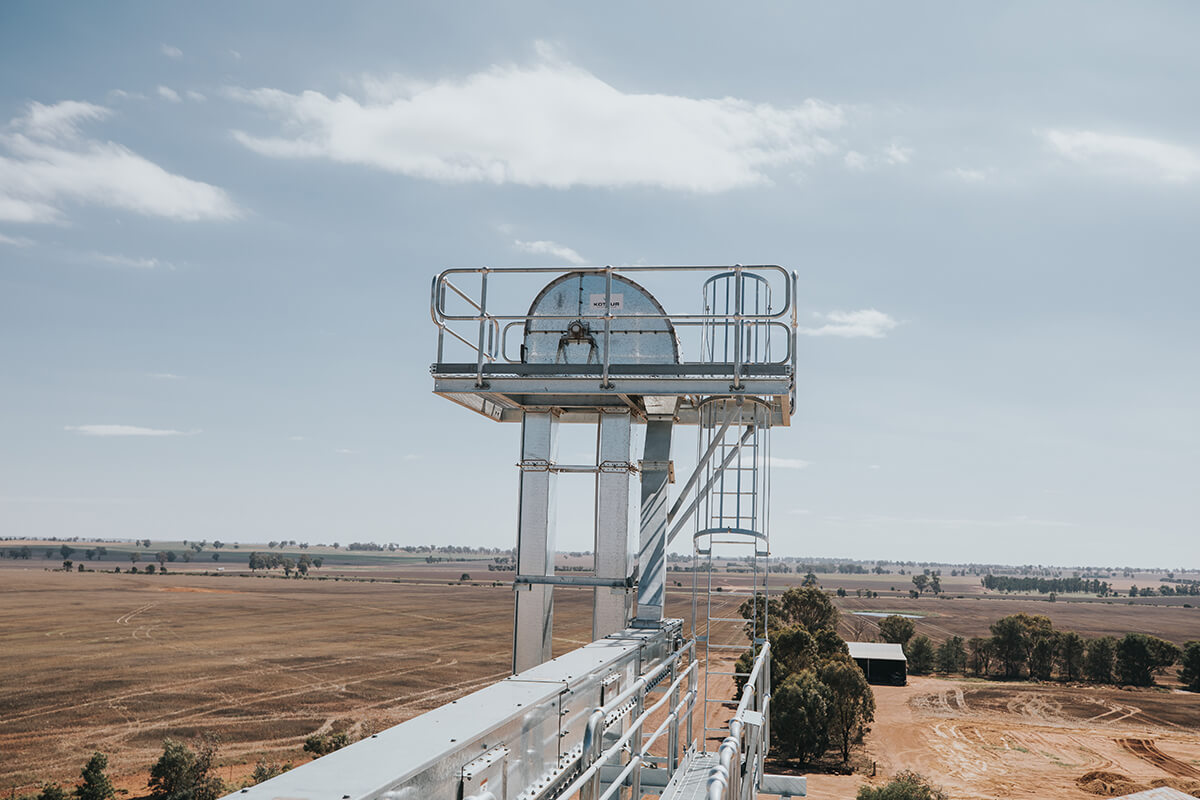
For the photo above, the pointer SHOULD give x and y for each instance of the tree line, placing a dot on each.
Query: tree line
(1028, 646)
(1010, 583)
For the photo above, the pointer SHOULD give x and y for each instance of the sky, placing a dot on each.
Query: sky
(218, 225)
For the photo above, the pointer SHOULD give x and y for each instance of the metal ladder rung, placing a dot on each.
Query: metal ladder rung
(728, 647)
(742, 674)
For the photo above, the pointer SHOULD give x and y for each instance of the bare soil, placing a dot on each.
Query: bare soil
(115, 663)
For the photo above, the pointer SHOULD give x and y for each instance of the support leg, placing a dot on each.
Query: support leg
(534, 626)
(611, 607)
(652, 554)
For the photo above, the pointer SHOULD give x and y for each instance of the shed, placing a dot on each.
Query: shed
(882, 663)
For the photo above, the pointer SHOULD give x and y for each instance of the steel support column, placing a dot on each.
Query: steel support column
(652, 553)
(611, 606)
(534, 626)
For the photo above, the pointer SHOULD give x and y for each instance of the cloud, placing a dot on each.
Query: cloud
(15, 241)
(136, 263)
(873, 466)
(50, 162)
(969, 175)
(167, 93)
(787, 463)
(195, 96)
(1138, 156)
(345, 451)
(166, 376)
(551, 124)
(550, 249)
(895, 154)
(171, 52)
(295, 438)
(124, 430)
(855, 160)
(867, 323)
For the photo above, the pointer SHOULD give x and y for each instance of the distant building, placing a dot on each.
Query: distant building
(881, 663)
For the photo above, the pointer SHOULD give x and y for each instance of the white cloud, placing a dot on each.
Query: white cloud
(295, 438)
(550, 124)
(345, 451)
(895, 154)
(969, 175)
(136, 263)
(171, 52)
(412, 457)
(1133, 155)
(873, 466)
(855, 160)
(549, 248)
(50, 162)
(15, 241)
(166, 376)
(787, 463)
(195, 96)
(124, 430)
(867, 323)
(167, 93)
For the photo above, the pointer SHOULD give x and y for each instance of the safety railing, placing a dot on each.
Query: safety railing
(740, 757)
(488, 339)
(680, 669)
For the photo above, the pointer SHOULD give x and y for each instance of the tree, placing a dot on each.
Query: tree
(318, 561)
(66, 551)
(1098, 659)
(951, 655)
(181, 774)
(853, 705)
(94, 784)
(807, 606)
(68, 564)
(800, 711)
(980, 658)
(896, 629)
(264, 771)
(1070, 655)
(919, 652)
(149, 569)
(161, 556)
(935, 584)
(1190, 672)
(466, 576)
(1041, 657)
(1014, 637)
(905, 785)
(134, 557)
(1139, 656)
(810, 581)
(320, 744)
(52, 791)
(921, 582)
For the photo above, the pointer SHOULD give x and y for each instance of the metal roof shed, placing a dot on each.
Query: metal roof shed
(882, 663)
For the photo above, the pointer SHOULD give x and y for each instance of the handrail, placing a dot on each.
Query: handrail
(721, 784)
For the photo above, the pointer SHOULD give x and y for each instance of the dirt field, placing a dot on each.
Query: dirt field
(987, 740)
(97, 661)
(115, 663)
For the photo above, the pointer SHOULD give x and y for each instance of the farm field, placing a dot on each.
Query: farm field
(117, 662)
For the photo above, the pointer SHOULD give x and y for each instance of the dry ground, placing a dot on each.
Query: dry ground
(97, 661)
(989, 740)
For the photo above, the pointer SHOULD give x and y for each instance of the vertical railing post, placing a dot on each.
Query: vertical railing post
(737, 326)
(483, 325)
(608, 317)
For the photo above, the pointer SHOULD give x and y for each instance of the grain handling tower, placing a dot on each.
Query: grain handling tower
(612, 719)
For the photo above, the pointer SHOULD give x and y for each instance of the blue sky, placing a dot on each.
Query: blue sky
(218, 224)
